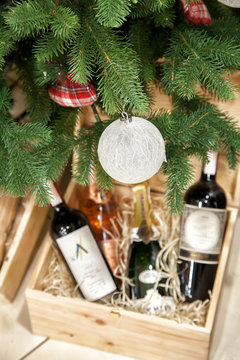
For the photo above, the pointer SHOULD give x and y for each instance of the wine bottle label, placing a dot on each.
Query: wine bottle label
(211, 166)
(86, 263)
(149, 276)
(56, 197)
(153, 303)
(201, 234)
(141, 227)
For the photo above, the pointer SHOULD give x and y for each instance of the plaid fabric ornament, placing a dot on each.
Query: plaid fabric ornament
(72, 94)
(196, 13)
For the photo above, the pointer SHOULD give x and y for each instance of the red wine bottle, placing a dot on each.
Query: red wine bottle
(201, 234)
(77, 243)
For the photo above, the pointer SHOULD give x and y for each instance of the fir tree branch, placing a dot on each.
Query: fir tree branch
(140, 38)
(29, 17)
(86, 156)
(118, 79)
(48, 47)
(194, 58)
(81, 59)
(7, 43)
(25, 162)
(64, 23)
(165, 18)
(39, 105)
(5, 99)
(111, 13)
(158, 5)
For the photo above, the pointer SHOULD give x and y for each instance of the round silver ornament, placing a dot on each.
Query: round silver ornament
(231, 3)
(131, 150)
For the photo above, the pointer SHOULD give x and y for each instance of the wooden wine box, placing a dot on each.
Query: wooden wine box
(121, 331)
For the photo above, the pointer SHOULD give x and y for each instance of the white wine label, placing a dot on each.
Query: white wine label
(86, 263)
(149, 276)
(153, 303)
(202, 234)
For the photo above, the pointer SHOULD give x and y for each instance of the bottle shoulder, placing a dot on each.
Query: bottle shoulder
(140, 246)
(66, 220)
(206, 194)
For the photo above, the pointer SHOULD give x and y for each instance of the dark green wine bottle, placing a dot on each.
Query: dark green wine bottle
(144, 248)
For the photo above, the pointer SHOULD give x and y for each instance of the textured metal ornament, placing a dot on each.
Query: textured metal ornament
(231, 3)
(131, 150)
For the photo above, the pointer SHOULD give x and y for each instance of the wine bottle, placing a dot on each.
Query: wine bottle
(201, 233)
(144, 248)
(100, 209)
(76, 241)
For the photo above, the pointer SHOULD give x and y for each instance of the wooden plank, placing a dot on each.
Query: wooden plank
(124, 332)
(22, 248)
(41, 265)
(9, 208)
(221, 268)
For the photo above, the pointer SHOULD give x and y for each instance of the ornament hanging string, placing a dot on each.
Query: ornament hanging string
(97, 117)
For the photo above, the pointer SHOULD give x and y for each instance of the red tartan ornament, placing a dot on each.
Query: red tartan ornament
(196, 13)
(69, 93)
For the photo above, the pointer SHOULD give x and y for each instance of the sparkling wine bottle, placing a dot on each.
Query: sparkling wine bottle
(77, 243)
(144, 248)
(201, 234)
(99, 207)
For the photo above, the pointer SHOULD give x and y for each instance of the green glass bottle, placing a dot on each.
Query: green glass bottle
(144, 248)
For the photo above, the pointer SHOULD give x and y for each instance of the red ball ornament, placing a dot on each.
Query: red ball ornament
(196, 13)
(69, 93)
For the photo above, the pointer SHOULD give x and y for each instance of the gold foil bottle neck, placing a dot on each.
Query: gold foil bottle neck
(141, 220)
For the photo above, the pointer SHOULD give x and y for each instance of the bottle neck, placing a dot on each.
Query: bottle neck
(56, 199)
(141, 227)
(209, 169)
(95, 194)
(60, 207)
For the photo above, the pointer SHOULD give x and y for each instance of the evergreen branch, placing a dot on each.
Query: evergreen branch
(29, 17)
(39, 104)
(5, 98)
(140, 11)
(194, 58)
(103, 180)
(225, 28)
(64, 23)
(86, 161)
(179, 173)
(48, 47)
(140, 38)
(118, 80)
(64, 121)
(111, 13)
(46, 73)
(7, 44)
(165, 18)
(158, 5)
(25, 162)
(57, 154)
(81, 59)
